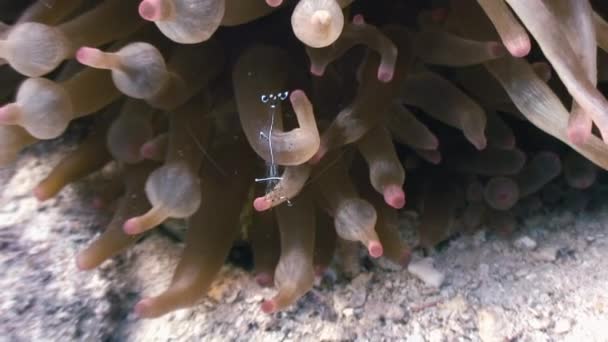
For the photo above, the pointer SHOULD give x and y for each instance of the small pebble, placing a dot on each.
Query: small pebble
(424, 270)
(548, 253)
(562, 326)
(539, 324)
(457, 329)
(348, 312)
(254, 299)
(374, 310)
(332, 332)
(521, 273)
(415, 338)
(491, 326)
(232, 296)
(536, 336)
(531, 276)
(525, 243)
(454, 306)
(436, 336)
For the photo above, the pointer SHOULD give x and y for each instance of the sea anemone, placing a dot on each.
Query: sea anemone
(295, 125)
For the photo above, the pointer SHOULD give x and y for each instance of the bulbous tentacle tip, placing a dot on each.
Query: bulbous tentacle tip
(434, 157)
(316, 158)
(98, 203)
(151, 10)
(143, 308)
(385, 73)
(9, 114)
(519, 47)
(85, 54)
(359, 19)
(394, 196)
(320, 270)
(501, 193)
(101, 203)
(262, 204)
(98, 59)
(583, 183)
(264, 279)
(147, 151)
(317, 70)
(439, 15)
(510, 143)
(269, 306)
(82, 263)
(132, 226)
(497, 49)
(375, 249)
(297, 96)
(504, 197)
(133, 155)
(480, 142)
(274, 3)
(406, 257)
(40, 193)
(298, 99)
(434, 143)
(578, 136)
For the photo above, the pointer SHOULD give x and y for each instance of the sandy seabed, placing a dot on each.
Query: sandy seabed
(549, 282)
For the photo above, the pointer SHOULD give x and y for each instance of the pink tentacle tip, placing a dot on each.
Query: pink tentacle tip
(394, 196)
(578, 135)
(496, 49)
(434, 144)
(98, 203)
(262, 204)
(385, 73)
(317, 70)
(147, 150)
(359, 19)
(375, 249)
(510, 143)
(480, 143)
(297, 95)
(81, 263)
(519, 47)
(320, 270)
(131, 226)
(439, 15)
(583, 183)
(436, 159)
(150, 10)
(134, 153)
(406, 257)
(264, 279)
(143, 307)
(505, 196)
(316, 158)
(85, 54)
(274, 3)
(9, 114)
(40, 194)
(269, 306)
